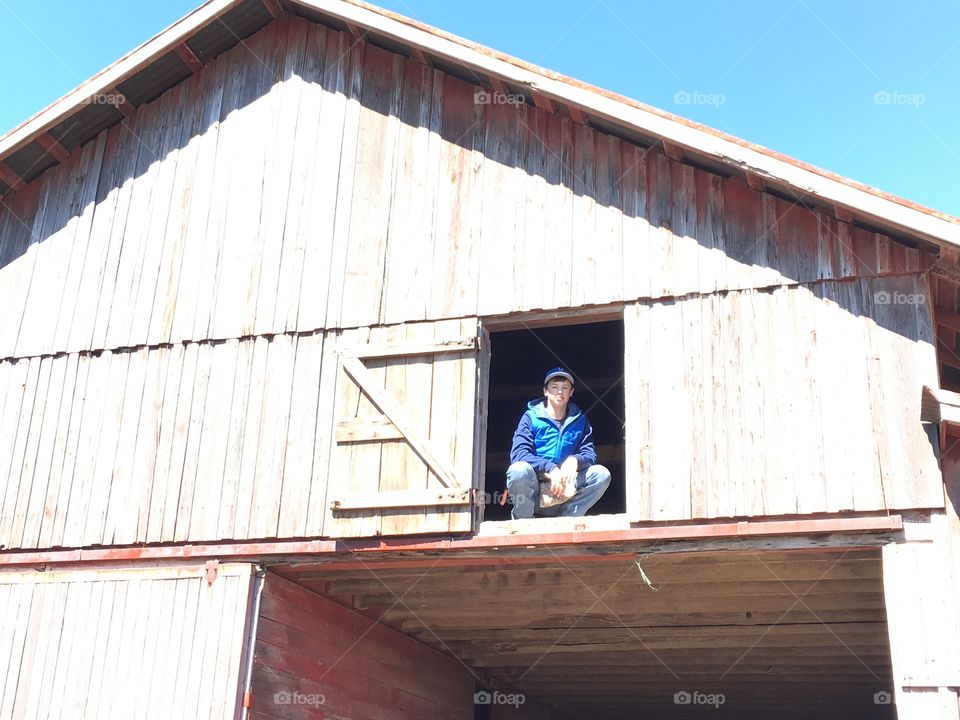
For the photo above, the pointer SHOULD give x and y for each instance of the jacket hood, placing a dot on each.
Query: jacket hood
(539, 408)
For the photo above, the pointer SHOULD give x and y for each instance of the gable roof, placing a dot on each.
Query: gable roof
(174, 54)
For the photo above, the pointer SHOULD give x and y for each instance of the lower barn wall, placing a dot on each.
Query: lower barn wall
(130, 643)
(313, 654)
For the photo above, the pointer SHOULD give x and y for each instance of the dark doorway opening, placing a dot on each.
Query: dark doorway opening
(594, 353)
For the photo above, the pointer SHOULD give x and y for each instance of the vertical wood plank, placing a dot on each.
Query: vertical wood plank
(189, 315)
(271, 453)
(278, 179)
(501, 234)
(301, 437)
(236, 433)
(203, 515)
(636, 227)
(660, 212)
(349, 148)
(455, 274)
(637, 379)
(43, 454)
(175, 110)
(686, 249)
(319, 206)
(584, 276)
(189, 185)
(303, 176)
(322, 478)
(92, 161)
(60, 464)
(409, 251)
(194, 436)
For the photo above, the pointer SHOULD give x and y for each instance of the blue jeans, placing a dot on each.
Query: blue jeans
(524, 487)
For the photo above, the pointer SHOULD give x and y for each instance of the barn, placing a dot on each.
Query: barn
(276, 286)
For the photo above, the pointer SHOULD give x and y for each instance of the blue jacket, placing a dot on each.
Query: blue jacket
(545, 443)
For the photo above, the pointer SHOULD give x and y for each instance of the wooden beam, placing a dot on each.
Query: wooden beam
(947, 265)
(466, 344)
(125, 107)
(577, 114)
(543, 102)
(946, 318)
(49, 143)
(373, 429)
(273, 7)
(500, 546)
(939, 405)
(755, 182)
(498, 85)
(10, 177)
(189, 59)
(420, 56)
(672, 151)
(356, 31)
(389, 407)
(403, 499)
(842, 214)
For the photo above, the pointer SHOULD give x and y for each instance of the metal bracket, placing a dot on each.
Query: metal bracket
(211, 571)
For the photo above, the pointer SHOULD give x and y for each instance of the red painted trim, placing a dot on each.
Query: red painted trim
(368, 546)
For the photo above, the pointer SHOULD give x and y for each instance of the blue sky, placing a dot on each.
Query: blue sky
(867, 90)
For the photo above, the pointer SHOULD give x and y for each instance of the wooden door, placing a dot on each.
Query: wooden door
(410, 411)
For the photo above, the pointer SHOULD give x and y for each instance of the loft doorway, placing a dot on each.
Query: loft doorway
(520, 353)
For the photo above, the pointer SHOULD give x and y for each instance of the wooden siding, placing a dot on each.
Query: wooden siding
(175, 292)
(306, 181)
(157, 643)
(353, 666)
(229, 439)
(795, 400)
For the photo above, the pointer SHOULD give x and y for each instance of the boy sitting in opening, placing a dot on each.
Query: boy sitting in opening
(553, 445)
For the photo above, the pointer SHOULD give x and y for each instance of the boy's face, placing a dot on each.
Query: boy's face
(558, 391)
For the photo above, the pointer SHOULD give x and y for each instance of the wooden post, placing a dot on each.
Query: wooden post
(921, 579)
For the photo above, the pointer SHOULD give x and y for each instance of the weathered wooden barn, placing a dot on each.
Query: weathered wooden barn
(275, 287)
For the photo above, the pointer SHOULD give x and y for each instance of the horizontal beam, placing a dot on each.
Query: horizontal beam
(368, 430)
(496, 548)
(457, 345)
(403, 499)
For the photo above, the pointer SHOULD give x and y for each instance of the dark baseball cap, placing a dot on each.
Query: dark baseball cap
(557, 372)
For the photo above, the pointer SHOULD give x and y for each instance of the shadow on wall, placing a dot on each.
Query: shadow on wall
(262, 148)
